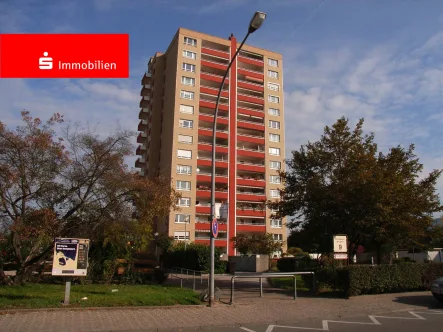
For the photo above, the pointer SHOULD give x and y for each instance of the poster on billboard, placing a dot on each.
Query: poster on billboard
(70, 257)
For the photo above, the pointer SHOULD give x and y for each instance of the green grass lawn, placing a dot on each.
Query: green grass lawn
(288, 283)
(51, 296)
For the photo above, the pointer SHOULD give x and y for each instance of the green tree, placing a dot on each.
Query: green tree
(262, 243)
(75, 186)
(342, 185)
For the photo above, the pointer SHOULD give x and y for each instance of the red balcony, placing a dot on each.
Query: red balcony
(251, 213)
(207, 162)
(251, 139)
(251, 228)
(251, 73)
(208, 178)
(250, 86)
(250, 167)
(251, 99)
(214, 64)
(251, 153)
(256, 62)
(210, 118)
(142, 125)
(143, 114)
(207, 194)
(141, 149)
(211, 51)
(251, 182)
(140, 162)
(213, 77)
(217, 243)
(142, 138)
(212, 91)
(208, 147)
(208, 132)
(203, 209)
(207, 226)
(211, 104)
(251, 125)
(250, 111)
(251, 197)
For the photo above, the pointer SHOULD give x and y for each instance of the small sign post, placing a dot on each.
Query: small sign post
(70, 259)
(340, 243)
(214, 227)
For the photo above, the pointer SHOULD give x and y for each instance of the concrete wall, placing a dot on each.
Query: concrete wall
(253, 263)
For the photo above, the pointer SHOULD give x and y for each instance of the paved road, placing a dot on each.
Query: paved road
(404, 321)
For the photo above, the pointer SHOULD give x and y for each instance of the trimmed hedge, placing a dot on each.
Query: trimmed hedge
(367, 279)
(195, 257)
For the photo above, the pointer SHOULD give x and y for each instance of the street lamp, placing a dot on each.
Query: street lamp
(254, 24)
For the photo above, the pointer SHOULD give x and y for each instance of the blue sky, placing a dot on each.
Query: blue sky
(376, 59)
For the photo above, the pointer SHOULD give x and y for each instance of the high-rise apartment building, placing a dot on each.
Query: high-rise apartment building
(179, 91)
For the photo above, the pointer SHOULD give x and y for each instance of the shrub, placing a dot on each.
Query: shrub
(195, 257)
(368, 279)
(293, 264)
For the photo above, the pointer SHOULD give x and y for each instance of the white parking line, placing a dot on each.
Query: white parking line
(373, 318)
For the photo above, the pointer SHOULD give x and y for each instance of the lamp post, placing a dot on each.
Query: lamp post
(254, 24)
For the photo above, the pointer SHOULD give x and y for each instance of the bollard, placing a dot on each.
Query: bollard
(295, 287)
(232, 290)
(314, 286)
(261, 287)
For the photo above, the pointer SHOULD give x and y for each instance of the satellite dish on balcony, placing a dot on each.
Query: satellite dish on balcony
(224, 211)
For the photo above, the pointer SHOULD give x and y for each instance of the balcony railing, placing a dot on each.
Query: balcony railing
(250, 178)
(250, 193)
(250, 163)
(249, 135)
(248, 121)
(204, 188)
(211, 87)
(212, 115)
(218, 130)
(253, 96)
(216, 159)
(249, 149)
(252, 83)
(212, 101)
(215, 49)
(217, 63)
(250, 108)
(251, 223)
(211, 74)
(250, 70)
(210, 174)
(220, 145)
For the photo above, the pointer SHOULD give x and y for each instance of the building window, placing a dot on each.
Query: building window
(189, 54)
(273, 87)
(274, 137)
(187, 94)
(190, 41)
(183, 185)
(277, 237)
(184, 169)
(181, 236)
(274, 124)
(274, 111)
(188, 80)
(276, 223)
(184, 154)
(184, 201)
(274, 151)
(274, 193)
(274, 99)
(274, 164)
(185, 139)
(186, 123)
(186, 109)
(182, 218)
(188, 67)
(275, 179)
(272, 62)
(272, 74)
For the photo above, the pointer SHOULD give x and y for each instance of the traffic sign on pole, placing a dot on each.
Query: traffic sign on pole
(214, 227)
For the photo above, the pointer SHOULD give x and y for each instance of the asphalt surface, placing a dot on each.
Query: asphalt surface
(423, 320)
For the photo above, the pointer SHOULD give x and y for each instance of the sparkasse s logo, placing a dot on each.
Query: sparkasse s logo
(64, 55)
(45, 62)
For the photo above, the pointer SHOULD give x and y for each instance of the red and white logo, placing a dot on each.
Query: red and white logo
(64, 55)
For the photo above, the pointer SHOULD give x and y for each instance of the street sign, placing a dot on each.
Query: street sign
(214, 227)
(340, 243)
(340, 256)
(70, 257)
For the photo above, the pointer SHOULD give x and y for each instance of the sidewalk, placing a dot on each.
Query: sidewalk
(254, 310)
